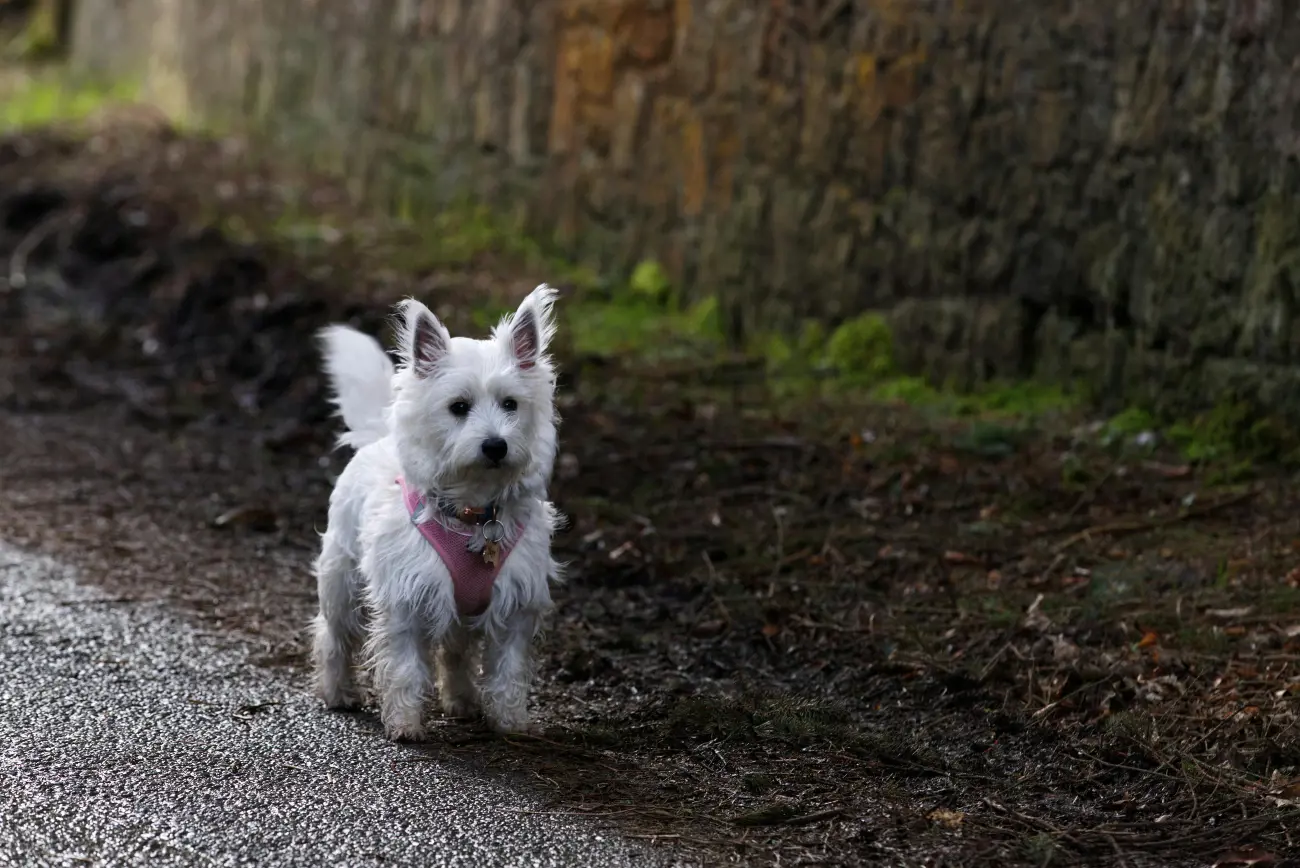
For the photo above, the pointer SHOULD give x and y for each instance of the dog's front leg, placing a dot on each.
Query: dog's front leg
(508, 671)
(401, 672)
(456, 660)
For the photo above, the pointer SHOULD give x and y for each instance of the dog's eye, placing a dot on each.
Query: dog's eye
(510, 405)
(460, 408)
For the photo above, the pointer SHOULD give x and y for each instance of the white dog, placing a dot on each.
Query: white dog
(439, 536)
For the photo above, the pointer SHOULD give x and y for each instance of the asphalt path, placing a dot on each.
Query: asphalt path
(129, 737)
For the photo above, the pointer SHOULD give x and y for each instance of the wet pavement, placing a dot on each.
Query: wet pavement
(128, 737)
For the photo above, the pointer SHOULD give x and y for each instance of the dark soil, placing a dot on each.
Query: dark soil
(797, 632)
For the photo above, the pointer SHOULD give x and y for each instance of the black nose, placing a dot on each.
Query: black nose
(494, 448)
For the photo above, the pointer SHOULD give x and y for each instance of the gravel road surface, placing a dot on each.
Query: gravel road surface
(128, 737)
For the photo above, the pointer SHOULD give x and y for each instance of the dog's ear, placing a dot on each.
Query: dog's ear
(532, 326)
(424, 340)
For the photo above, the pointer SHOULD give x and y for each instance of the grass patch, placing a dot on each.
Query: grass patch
(1228, 440)
(1234, 436)
(1022, 400)
(34, 99)
(645, 330)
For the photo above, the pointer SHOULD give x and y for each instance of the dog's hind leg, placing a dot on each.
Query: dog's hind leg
(338, 627)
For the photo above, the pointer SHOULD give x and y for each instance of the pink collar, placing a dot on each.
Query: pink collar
(471, 575)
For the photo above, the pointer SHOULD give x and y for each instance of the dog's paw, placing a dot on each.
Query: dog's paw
(461, 707)
(404, 732)
(341, 699)
(512, 724)
(403, 724)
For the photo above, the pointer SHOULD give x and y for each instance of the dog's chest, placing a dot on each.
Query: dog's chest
(472, 577)
(472, 574)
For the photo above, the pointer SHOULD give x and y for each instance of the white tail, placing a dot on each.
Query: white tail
(361, 376)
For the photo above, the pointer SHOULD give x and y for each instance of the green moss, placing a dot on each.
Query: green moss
(861, 350)
(1130, 422)
(997, 400)
(1020, 399)
(650, 282)
(794, 366)
(913, 391)
(41, 99)
(1233, 438)
(1229, 440)
(644, 329)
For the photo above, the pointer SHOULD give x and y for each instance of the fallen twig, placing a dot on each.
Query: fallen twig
(1138, 525)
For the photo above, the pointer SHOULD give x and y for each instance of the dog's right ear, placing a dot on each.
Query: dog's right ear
(424, 340)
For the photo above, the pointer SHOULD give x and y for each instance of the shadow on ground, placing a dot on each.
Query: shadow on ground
(807, 632)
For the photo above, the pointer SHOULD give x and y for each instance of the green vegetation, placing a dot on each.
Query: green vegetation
(649, 281)
(38, 99)
(1230, 437)
(1234, 432)
(861, 350)
(646, 318)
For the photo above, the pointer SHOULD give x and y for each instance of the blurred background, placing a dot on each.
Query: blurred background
(930, 393)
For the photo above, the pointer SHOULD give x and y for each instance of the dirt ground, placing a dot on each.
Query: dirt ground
(796, 632)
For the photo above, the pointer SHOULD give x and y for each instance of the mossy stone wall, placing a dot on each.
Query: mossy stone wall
(1103, 192)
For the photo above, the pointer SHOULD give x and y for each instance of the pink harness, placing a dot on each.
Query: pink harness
(471, 575)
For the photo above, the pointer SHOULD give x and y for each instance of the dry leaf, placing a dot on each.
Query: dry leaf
(1229, 614)
(1290, 793)
(1063, 650)
(944, 817)
(960, 558)
(1148, 639)
(771, 630)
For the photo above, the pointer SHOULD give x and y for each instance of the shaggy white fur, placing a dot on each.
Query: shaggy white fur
(467, 423)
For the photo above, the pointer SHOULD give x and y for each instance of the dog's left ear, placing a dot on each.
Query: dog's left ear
(533, 326)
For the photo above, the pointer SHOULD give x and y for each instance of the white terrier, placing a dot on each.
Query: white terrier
(439, 534)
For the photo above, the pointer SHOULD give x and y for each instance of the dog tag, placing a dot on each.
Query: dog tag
(493, 532)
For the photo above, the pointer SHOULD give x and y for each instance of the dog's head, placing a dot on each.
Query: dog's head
(475, 419)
